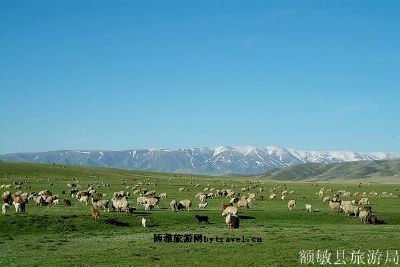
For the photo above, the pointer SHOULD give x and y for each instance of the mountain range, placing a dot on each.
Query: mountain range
(381, 170)
(217, 160)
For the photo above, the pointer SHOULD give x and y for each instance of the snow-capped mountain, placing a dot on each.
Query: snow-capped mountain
(206, 160)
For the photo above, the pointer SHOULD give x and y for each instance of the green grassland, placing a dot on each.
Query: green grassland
(67, 236)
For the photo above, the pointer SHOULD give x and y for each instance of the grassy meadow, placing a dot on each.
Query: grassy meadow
(67, 236)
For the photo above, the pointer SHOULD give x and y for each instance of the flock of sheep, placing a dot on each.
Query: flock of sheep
(235, 199)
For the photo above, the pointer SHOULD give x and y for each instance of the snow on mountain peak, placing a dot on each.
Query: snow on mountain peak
(219, 149)
(245, 150)
(203, 160)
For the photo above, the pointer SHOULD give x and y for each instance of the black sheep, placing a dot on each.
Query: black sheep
(202, 219)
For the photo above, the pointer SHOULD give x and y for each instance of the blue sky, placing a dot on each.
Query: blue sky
(320, 75)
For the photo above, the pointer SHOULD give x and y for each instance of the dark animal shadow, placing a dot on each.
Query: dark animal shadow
(69, 217)
(141, 213)
(116, 223)
(244, 217)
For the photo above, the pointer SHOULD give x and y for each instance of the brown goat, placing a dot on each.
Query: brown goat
(95, 214)
(67, 203)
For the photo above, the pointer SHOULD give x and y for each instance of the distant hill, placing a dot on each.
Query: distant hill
(218, 160)
(344, 170)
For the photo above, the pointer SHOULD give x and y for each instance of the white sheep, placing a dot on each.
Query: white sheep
(120, 204)
(186, 203)
(308, 208)
(364, 216)
(173, 205)
(203, 205)
(334, 205)
(4, 208)
(230, 210)
(84, 199)
(350, 209)
(144, 222)
(291, 204)
(243, 203)
(363, 201)
(102, 203)
(202, 197)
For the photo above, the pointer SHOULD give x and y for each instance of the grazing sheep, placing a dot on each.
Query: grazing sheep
(164, 195)
(144, 222)
(363, 201)
(230, 210)
(283, 197)
(291, 204)
(364, 216)
(326, 199)
(272, 196)
(7, 197)
(4, 208)
(84, 199)
(67, 203)
(141, 201)
(184, 204)
(121, 194)
(308, 208)
(56, 202)
(202, 219)
(203, 198)
(173, 205)
(243, 203)
(334, 205)
(102, 203)
(20, 202)
(152, 201)
(350, 209)
(95, 214)
(203, 205)
(148, 206)
(120, 204)
(230, 194)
